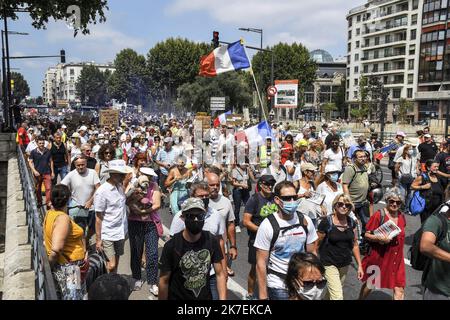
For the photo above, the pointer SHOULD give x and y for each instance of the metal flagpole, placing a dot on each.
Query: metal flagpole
(256, 84)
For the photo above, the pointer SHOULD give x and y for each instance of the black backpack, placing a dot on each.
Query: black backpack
(351, 225)
(418, 260)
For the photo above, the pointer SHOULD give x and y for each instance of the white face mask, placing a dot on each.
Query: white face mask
(410, 152)
(314, 293)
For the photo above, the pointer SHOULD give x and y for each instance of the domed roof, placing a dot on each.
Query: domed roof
(321, 56)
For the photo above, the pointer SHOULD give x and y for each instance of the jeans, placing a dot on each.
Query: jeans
(406, 189)
(213, 287)
(62, 171)
(239, 195)
(278, 294)
(363, 213)
(47, 180)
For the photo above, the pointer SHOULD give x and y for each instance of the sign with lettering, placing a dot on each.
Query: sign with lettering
(109, 118)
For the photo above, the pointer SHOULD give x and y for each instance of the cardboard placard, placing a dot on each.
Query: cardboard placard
(234, 119)
(109, 118)
(206, 121)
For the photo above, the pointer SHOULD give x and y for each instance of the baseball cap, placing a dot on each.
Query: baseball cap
(401, 133)
(83, 128)
(308, 166)
(192, 203)
(64, 126)
(267, 179)
(101, 136)
(427, 135)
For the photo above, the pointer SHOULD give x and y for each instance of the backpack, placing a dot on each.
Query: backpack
(418, 260)
(417, 203)
(276, 232)
(351, 225)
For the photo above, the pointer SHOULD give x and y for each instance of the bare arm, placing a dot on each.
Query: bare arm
(262, 257)
(231, 232)
(345, 189)
(164, 278)
(61, 229)
(247, 222)
(171, 179)
(223, 262)
(156, 199)
(98, 229)
(430, 249)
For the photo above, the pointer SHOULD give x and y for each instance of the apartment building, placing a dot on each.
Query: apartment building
(58, 86)
(384, 41)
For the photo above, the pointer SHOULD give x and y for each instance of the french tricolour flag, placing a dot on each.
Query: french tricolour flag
(231, 57)
(258, 133)
(222, 119)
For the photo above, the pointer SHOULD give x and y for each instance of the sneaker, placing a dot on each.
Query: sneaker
(238, 229)
(153, 289)
(249, 297)
(138, 285)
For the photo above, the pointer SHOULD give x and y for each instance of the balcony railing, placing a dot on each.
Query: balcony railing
(384, 28)
(389, 55)
(373, 44)
(384, 70)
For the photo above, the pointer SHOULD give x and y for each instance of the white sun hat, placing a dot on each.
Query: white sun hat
(118, 166)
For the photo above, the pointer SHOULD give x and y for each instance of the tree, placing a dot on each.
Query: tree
(404, 107)
(195, 96)
(328, 108)
(339, 98)
(364, 90)
(91, 86)
(39, 100)
(291, 62)
(21, 88)
(378, 101)
(41, 11)
(129, 82)
(171, 64)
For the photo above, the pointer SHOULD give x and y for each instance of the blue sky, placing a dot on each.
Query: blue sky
(140, 24)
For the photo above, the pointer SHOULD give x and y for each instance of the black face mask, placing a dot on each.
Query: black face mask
(206, 202)
(194, 227)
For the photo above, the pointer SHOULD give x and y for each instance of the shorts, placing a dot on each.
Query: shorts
(251, 252)
(113, 248)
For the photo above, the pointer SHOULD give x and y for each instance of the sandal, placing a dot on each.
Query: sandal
(230, 272)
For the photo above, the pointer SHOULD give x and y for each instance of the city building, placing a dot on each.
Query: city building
(58, 87)
(433, 93)
(384, 41)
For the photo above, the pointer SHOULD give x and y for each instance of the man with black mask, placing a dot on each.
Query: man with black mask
(187, 258)
(213, 222)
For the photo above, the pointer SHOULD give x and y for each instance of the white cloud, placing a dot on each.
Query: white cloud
(317, 24)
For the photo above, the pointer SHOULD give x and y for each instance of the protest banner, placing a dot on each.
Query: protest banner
(109, 118)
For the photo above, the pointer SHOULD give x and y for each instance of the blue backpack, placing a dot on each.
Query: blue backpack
(418, 201)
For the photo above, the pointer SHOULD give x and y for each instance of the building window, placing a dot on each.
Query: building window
(358, 18)
(375, 68)
(356, 81)
(366, 42)
(357, 44)
(415, 4)
(348, 72)
(72, 72)
(356, 57)
(348, 95)
(386, 66)
(356, 69)
(355, 94)
(410, 64)
(410, 78)
(349, 34)
(413, 34)
(358, 31)
(409, 93)
(366, 69)
(414, 19)
(348, 83)
(396, 93)
(350, 20)
(348, 59)
(412, 49)
(349, 47)
(377, 41)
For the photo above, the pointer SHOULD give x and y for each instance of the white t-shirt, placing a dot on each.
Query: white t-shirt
(334, 158)
(286, 245)
(33, 145)
(324, 189)
(407, 166)
(297, 173)
(224, 207)
(81, 186)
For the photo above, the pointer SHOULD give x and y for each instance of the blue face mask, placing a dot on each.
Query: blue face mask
(334, 177)
(290, 207)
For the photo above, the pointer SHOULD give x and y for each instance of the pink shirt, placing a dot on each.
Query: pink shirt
(154, 216)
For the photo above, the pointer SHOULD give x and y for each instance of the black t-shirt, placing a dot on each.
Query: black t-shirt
(337, 249)
(427, 151)
(58, 155)
(444, 161)
(190, 264)
(41, 161)
(260, 208)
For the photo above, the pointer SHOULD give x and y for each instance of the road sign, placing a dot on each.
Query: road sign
(217, 103)
(272, 91)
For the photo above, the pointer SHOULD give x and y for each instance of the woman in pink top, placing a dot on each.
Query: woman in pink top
(144, 228)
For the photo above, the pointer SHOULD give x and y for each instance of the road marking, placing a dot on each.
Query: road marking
(232, 285)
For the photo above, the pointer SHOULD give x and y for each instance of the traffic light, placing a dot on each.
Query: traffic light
(63, 56)
(215, 39)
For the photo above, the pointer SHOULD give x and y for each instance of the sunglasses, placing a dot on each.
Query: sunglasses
(398, 203)
(308, 285)
(108, 152)
(270, 185)
(342, 204)
(289, 198)
(198, 217)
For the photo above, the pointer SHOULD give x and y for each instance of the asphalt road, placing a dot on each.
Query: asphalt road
(237, 284)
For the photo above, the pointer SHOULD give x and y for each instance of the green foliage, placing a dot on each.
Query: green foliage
(171, 64)
(42, 11)
(290, 62)
(405, 106)
(328, 108)
(339, 98)
(130, 81)
(91, 86)
(195, 96)
(21, 88)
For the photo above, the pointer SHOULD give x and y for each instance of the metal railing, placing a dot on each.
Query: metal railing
(45, 285)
